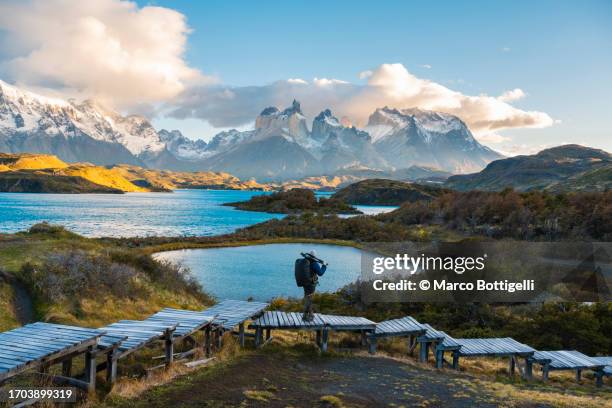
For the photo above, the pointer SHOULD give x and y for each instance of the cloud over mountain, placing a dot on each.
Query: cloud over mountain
(386, 85)
(108, 49)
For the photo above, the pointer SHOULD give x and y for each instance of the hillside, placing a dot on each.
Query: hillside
(385, 192)
(562, 168)
(40, 181)
(165, 180)
(294, 201)
(43, 173)
(75, 280)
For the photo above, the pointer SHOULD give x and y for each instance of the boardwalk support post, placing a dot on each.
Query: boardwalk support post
(424, 351)
(169, 346)
(373, 344)
(258, 336)
(67, 367)
(208, 341)
(241, 334)
(439, 357)
(599, 377)
(528, 368)
(545, 370)
(324, 340)
(90, 369)
(456, 359)
(111, 367)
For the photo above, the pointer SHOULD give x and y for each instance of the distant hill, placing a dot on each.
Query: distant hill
(562, 168)
(164, 180)
(41, 181)
(43, 173)
(385, 192)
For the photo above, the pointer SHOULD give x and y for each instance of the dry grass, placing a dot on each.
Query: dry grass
(258, 395)
(133, 387)
(8, 318)
(331, 401)
(515, 396)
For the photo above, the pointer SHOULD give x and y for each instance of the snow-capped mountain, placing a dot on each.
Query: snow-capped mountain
(427, 138)
(85, 131)
(280, 147)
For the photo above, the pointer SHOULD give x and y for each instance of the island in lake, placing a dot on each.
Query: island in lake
(294, 201)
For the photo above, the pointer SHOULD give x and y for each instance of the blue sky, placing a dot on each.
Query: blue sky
(558, 52)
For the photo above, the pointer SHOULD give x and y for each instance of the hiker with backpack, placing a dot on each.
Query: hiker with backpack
(308, 268)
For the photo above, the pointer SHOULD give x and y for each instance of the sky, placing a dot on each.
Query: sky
(523, 75)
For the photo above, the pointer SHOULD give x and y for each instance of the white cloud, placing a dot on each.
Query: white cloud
(426, 66)
(365, 74)
(109, 49)
(328, 82)
(387, 85)
(297, 81)
(493, 138)
(512, 95)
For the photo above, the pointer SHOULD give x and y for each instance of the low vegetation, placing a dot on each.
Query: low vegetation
(386, 192)
(297, 200)
(88, 282)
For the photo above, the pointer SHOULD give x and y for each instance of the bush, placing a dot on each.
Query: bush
(69, 275)
(76, 274)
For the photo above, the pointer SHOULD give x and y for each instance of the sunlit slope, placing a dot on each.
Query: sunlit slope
(27, 161)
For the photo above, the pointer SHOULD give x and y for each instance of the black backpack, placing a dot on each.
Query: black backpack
(303, 277)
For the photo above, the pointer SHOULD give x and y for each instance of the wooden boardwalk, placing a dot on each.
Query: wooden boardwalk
(231, 313)
(607, 362)
(41, 345)
(321, 323)
(569, 360)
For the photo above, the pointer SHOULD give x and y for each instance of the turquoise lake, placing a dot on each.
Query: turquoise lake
(261, 272)
(183, 212)
(264, 271)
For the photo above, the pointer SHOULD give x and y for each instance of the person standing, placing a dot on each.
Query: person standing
(308, 269)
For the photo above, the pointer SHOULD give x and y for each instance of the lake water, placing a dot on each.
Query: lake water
(264, 271)
(183, 212)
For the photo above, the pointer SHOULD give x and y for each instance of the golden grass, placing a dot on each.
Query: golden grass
(8, 320)
(331, 401)
(133, 387)
(258, 395)
(30, 161)
(102, 176)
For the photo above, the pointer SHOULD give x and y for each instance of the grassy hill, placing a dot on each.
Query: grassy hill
(87, 282)
(39, 181)
(164, 180)
(385, 192)
(43, 173)
(562, 168)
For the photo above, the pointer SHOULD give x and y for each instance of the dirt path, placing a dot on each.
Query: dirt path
(22, 306)
(278, 378)
(21, 302)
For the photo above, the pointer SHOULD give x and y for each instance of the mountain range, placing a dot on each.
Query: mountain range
(282, 145)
